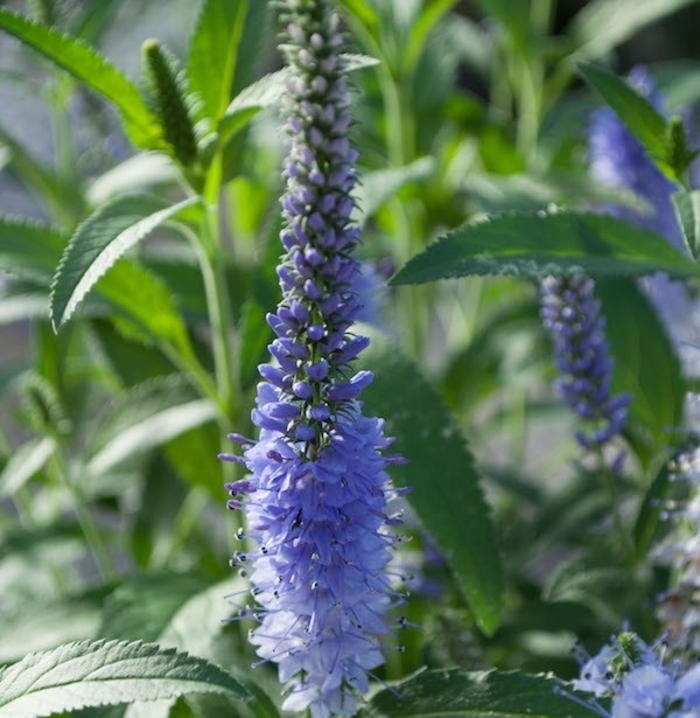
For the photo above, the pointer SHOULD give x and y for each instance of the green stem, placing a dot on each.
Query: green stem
(93, 536)
(611, 486)
(24, 505)
(218, 303)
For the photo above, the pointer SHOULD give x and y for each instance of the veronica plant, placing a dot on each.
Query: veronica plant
(640, 680)
(571, 315)
(317, 496)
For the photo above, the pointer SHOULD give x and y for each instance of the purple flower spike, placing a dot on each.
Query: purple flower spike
(316, 499)
(571, 314)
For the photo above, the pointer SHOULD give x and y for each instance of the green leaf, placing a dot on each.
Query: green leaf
(651, 508)
(145, 306)
(213, 53)
(687, 206)
(48, 622)
(639, 115)
(268, 91)
(99, 242)
(29, 250)
(24, 463)
(147, 416)
(474, 695)
(537, 245)
(142, 606)
(646, 365)
(601, 25)
(380, 186)
(85, 63)
(446, 494)
(79, 675)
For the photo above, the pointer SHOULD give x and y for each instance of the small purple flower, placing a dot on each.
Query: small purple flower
(571, 314)
(318, 500)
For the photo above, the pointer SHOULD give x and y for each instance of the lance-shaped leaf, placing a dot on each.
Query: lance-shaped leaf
(540, 244)
(474, 695)
(267, 91)
(29, 250)
(601, 25)
(446, 493)
(147, 416)
(639, 115)
(24, 463)
(687, 206)
(215, 58)
(99, 242)
(79, 675)
(85, 63)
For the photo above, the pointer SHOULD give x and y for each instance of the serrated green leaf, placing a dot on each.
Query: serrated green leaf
(147, 416)
(29, 250)
(474, 695)
(687, 206)
(78, 675)
(638, 114)
(537, 245)
(24, 463)
(601, 25)
(85, 63)
(446, 494)
(99, 242)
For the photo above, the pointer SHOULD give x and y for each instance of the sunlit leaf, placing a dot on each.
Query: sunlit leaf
(79, 675)
(540, 244)
(99, 242)
(95, 71)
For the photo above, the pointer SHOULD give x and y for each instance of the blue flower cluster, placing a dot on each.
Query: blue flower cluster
(571, 314)
(639, 680)
(317, 499)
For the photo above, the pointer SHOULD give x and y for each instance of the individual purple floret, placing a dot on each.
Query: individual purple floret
(571, 314)
(317, 498)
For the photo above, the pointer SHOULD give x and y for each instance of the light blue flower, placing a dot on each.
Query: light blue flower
(317, 500)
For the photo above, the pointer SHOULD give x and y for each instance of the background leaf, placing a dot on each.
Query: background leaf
(474, 695)
(446, 493)
(90, 67)
(687, 206)
(538, 245)
(601, 25)
(639, 115)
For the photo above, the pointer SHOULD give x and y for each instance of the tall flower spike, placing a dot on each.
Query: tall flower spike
(317, 497)
(571, 314)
